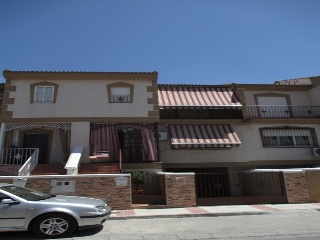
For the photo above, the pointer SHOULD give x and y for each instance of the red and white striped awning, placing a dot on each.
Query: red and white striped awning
(196, 97)
(203, 136)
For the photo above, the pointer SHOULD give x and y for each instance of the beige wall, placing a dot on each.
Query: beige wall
(251, 149)
(299, 98)
(91, 96)
(80, 136)
(56, 155)
(314, 96)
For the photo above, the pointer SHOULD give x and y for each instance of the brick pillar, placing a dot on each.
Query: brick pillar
(180, 190)
(296, 187)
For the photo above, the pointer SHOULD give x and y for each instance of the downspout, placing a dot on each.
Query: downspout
(2, 135)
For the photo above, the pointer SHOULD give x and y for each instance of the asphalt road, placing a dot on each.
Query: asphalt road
(293, 225)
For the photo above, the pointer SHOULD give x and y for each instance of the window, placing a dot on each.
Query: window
(43, 94)
(2, 196)
(120, 92)
(288, 138)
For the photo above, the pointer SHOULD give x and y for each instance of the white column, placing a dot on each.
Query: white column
(80, 136)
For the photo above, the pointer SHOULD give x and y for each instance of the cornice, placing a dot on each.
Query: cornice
(33, 75)
(265, 87)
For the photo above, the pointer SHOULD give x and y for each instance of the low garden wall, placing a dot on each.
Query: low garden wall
(102, 186)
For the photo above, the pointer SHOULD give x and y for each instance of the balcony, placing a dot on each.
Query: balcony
(120, 98)
(287, 111)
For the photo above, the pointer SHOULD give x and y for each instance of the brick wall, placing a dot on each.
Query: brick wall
(180, 190)
(9, 170)
(118, 197)
(6, 181)
(296, 187)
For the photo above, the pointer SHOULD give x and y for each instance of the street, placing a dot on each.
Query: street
(296, 224)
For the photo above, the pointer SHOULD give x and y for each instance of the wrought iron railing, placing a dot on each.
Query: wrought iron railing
(282, 111)
(120, 99)
(16, 155)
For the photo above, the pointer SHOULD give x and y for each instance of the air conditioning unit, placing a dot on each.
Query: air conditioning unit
(316, 152)
(163, 136)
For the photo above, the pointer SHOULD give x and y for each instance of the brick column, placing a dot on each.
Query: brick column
(296, 187)
(180, 189)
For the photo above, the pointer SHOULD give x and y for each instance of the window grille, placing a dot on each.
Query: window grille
(120, 99)
(289, 138)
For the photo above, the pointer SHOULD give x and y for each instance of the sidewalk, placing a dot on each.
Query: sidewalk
(232, 210)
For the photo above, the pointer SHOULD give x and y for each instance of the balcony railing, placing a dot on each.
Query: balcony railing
(285, 111)
(120, 98)
(45, 99)
(16, 155)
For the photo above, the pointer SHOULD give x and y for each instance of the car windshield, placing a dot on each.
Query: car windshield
(25, 193)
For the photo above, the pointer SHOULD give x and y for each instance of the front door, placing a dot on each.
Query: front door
(38, 140)
(131, 145)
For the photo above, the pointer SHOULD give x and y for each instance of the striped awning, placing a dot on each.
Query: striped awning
(203, 136)
(196, 97)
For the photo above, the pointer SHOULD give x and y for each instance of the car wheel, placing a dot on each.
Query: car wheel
(54, 225)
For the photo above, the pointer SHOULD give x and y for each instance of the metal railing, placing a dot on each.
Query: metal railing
(120, 98)
(45, 99)
(30, 164)
(219, 185)
(16, 155)
(282, 111)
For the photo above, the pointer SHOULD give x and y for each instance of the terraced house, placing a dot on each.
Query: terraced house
(237, 140)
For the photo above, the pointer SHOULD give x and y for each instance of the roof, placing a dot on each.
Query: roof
(74, 75)
(7, 70)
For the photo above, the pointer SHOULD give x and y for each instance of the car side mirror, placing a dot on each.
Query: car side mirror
(9, 201)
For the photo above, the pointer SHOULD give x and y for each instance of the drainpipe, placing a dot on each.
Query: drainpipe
(2, 135)
(120, 160)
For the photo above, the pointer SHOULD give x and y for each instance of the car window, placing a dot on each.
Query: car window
(25, 193)
(2, 196)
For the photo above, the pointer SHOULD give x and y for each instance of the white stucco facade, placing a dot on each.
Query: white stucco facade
(251, 149)
(76, 99)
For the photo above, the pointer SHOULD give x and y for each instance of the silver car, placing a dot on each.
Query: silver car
(48, 215)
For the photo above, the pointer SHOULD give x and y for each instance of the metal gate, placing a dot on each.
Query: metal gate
(240, 188)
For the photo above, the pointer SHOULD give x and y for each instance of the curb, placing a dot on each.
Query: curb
(186, 215)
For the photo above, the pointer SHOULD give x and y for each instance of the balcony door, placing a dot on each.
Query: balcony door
(273, 107)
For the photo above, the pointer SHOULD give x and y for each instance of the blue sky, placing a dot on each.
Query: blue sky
(185, 41)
